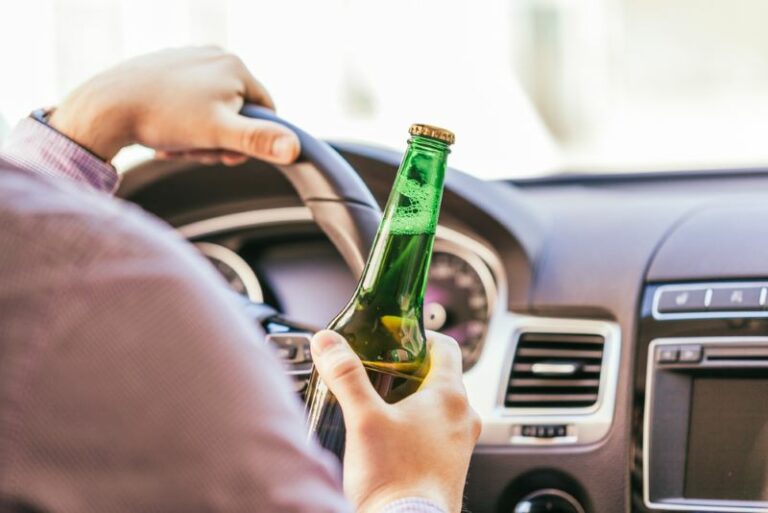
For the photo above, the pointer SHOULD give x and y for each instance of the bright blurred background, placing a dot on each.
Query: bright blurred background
(529, 86)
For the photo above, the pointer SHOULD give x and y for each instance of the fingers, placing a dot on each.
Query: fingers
(260, 139)
(343, 372)
(445, 360)
(209, 157)
(255, 92)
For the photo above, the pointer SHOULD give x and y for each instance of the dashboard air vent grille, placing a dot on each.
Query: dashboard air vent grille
(555, 370)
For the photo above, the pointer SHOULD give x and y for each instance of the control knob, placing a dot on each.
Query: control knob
(548, 501)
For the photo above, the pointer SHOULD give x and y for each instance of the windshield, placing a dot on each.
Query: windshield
(529, 86)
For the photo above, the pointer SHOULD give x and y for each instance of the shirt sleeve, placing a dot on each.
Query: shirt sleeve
(140, 386)
(412, 505)
(39, 148)
(143, 386)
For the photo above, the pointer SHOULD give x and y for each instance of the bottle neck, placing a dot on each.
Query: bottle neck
(399, 260)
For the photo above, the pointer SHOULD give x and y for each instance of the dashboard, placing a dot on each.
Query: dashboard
(613, 328)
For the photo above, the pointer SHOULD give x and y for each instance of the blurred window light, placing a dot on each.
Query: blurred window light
(529, 86)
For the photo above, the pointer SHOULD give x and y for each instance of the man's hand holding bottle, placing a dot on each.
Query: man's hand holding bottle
(417, 447)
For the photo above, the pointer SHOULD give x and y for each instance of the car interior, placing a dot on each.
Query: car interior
(612, 327)
(611, 305)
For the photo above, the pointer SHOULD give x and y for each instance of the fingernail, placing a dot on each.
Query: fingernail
(324, 341)
(283, 147)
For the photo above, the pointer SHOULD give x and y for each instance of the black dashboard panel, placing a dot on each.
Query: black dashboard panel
(283, 270)
(572, 247)
(716, 242)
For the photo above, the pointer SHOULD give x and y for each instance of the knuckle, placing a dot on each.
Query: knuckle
(455, 402)
(344, 367)
(233, 60)
(258, 141)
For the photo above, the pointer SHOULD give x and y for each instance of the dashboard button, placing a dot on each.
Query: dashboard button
(683, 300)
(690, 353)
(736, 298)
(286, 352)
(667, 354)
(544, 430)
(291, 347)
(548, 501)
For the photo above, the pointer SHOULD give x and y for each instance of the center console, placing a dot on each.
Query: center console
(702, 399)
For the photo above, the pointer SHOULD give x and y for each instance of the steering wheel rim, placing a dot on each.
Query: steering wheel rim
(340, 203)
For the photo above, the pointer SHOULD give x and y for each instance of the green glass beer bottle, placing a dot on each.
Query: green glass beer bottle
(383, 321)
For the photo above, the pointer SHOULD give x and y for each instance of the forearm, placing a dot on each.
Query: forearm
(38, 148)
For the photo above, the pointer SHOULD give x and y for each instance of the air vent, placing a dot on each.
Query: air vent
(555, 370)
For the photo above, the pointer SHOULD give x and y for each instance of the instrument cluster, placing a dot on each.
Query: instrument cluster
(459, 300)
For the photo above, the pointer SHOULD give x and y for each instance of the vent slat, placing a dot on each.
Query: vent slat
(558, 353)
(579, 387)
(526, 368)
(562, 338)
(517, 382)
(559, 398)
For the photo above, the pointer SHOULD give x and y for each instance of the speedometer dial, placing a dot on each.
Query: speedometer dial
(459, 300)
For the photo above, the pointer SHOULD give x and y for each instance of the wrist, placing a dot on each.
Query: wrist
(99, 127)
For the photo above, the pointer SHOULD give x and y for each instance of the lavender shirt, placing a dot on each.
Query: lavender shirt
(129, 380)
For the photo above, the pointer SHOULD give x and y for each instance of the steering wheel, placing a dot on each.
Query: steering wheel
(338, 199)
(341, 205)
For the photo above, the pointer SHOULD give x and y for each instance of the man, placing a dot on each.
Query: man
(129, 381)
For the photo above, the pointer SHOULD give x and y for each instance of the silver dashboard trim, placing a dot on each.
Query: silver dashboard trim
(487, 380)
(248, 219)
(487, 383)
(284, 215)
(703, 504)
(236, 262)
(709, 287)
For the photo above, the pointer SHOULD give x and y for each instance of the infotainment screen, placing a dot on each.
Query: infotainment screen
(727, 457)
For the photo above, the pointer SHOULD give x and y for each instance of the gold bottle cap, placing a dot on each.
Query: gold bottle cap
(433, 132)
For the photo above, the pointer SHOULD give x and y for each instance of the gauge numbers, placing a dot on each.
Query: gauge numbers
(459, 299)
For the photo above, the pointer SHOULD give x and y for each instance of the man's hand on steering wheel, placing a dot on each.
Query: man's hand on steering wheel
(184, 103)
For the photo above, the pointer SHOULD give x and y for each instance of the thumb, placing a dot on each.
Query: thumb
(264, 140)
(342, 372)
